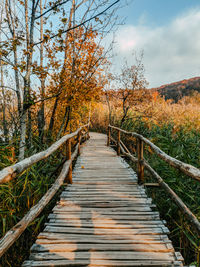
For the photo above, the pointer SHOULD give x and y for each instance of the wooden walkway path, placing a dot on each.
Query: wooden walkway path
(104, 218)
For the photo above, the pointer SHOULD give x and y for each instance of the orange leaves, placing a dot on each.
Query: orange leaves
(78, 81)
(46, 37)
(155, 95)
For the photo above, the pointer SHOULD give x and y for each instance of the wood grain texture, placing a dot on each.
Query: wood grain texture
(104, 218)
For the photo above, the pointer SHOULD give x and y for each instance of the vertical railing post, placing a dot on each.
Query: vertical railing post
(79, 142)
(118, 142)
(108, 137)
(69, 156)
(140, 165)
(88, 135)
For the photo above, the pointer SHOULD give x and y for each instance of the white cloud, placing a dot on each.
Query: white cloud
(171, 52)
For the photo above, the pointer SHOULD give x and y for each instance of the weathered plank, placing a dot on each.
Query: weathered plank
(76, 236)
(108, 231)
(100, 263)
(74, 239)
(70, 247)
(146, 217)
(112, 255)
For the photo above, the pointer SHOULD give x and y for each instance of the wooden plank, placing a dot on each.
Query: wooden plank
(101, 188)
(137, 198)
(108, 263)
(100, 247)
(99, 231)
(96, 240)
(110, 200)
(112, 255)
(96, 221)
(102, 192)
(123, 210)
(104, 183)
(135, 217)
(111, 237)
(106, 225)
(100, 196)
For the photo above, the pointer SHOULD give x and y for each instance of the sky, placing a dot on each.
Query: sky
(168, 32)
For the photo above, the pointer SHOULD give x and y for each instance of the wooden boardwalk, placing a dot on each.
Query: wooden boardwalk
(104, 218)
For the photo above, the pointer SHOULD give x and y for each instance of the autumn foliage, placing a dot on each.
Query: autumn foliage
(152, 109)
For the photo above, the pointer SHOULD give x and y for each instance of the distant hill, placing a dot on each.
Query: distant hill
(177, 90)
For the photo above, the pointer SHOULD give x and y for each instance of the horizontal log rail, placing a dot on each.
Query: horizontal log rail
(9, 173)
(65, 177)
(184, 167)
(142, 162)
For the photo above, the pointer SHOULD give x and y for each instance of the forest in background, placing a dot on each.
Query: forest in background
(54, 75)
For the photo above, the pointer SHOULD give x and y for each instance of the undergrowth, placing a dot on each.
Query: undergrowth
(19, 195)
(183, 145)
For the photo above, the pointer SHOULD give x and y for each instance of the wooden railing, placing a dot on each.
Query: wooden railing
(11, 172)
(142, 163)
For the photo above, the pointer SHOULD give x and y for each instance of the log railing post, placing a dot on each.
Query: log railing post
(140, 165)
(108, 137)
(88, 135)
(69, 155)
(79, 142)
(118, 142)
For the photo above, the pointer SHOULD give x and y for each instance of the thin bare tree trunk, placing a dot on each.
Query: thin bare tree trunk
(5, 129)
(51, 124)
(29, 129)
(22, 143)
(11, 26)
(26, 93)
(41, 118)
(109, 108)
(64, 122)
(68, 119)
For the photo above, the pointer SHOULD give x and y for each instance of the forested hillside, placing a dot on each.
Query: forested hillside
(177, 90)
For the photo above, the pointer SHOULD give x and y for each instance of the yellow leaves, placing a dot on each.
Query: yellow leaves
(46, 37)
(149, 150)
(64, 20)
(21, 2)
(155, 95)
(15, 68)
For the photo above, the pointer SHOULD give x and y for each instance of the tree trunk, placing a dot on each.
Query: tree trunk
(41, 118)
(5, 129)
(109, 108)
(64, 122)
(68, 119)
(26, 92)
(22, 142)
(11, 26)
(51, 124)
(29, 129)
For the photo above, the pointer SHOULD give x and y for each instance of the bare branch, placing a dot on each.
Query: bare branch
(81, 24)
(50, 9)
(3, 86)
